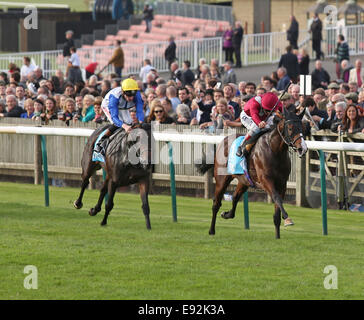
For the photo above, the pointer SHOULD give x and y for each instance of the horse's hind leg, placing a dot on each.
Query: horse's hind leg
(144, 190)
(103, 191)
(222, 183)
(240, 189)
(110, 202)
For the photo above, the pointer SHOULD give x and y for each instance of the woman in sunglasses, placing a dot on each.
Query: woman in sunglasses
(116, 105)
(158, 114)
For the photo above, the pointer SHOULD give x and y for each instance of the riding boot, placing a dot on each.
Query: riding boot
(241, 151)
(99, 146)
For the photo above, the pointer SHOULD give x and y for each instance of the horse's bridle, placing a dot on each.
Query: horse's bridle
(289, 142)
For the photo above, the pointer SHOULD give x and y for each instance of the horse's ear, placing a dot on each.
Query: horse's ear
(302, 113)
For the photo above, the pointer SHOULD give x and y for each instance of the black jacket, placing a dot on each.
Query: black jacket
(292, 32)
(14, 113)
(170, 52)
(67, 46)
(319, 76)
(316, 30)
(304, 65)
(237, 37)
(290, 62)
(187, 77)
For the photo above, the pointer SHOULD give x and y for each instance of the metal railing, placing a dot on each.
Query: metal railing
(256, 49)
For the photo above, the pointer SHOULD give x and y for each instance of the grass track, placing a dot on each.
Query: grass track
(78, 259)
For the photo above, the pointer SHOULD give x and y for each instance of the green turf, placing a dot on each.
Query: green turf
(76, 258)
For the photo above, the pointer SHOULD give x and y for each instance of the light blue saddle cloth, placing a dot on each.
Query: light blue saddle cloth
(234, 162)
(95, 155)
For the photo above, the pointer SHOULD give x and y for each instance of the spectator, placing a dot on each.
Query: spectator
(117, 59)
(13, 110)
(183, 114)
(320, 77)
(68, 44)
(29, 109)
(38, 109)
(150, 97)
(38, 72)
(304, 61)
(148, 17)
(316, 32)
(50, 110)
(167, 106)
(158, 114)
(99, 113)
(250, 88)
(229, 95)
(73, 68)
(61, 82)
(133, 115)
(27, 68)
(183, 95)
(172, 95)
(320, 98)
(290, 62)
(345, 68)
(344, 88)
(342, 53)
(351, 98)
(337, 120)
(295, 93)
(170, 52)
(352, 122)
(357, 73)
(105, 87)
(284, 79)
(236, 41)
(187, 76)
(317, 115)
(161, 92)
(176, 73)
(334, 88)
(205, 106)
(20, 96)
(228, 44)
(90, 69)
(219, 114)
(88, 113)
(147, 66)
(292, 33)
(69, 111)
(229, 74)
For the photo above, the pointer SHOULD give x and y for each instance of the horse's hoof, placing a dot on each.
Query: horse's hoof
(227, 215)
(103, 223)
(77, 205)
(92, 212)
(212, 232)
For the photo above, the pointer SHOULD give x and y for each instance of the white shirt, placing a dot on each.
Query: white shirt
(75, 60)
(144, 71)
(25, 70)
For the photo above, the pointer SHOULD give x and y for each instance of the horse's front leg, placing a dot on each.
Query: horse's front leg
(277, 198)
(144, 190)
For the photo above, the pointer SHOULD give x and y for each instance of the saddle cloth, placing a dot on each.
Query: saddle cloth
(95, 155)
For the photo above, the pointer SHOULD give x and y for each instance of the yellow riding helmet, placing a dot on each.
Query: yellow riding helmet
(129, 85)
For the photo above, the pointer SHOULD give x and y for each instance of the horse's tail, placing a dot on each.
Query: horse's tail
(202, 166)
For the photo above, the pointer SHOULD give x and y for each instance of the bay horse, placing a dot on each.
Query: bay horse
(127, 161)
(269, 166)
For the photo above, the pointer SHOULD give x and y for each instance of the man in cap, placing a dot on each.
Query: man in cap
(320, 77)
(229, 74)
(351, 98)
(254, 118)
(68, 44)
(334, 88)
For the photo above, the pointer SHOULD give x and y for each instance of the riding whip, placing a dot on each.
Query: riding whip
(279, 99)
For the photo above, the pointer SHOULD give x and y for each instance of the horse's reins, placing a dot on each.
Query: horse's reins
(289, 143)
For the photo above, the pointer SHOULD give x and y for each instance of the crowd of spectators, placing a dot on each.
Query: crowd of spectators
(209, 97)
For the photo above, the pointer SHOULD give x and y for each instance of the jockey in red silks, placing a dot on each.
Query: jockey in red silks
(253, 117)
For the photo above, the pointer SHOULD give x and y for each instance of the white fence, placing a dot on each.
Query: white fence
(256, 49)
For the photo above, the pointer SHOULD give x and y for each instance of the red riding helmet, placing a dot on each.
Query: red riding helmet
(269, 100)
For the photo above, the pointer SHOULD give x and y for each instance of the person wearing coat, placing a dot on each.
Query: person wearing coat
(292, 33)
(228, 44)
(316, 32)
(170, 52)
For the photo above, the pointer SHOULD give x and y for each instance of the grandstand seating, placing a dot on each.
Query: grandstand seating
(164, 26)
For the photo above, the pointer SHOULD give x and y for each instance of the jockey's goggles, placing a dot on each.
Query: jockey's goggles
(130, 93)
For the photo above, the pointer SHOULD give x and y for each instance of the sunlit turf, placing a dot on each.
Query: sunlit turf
(76, 258)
